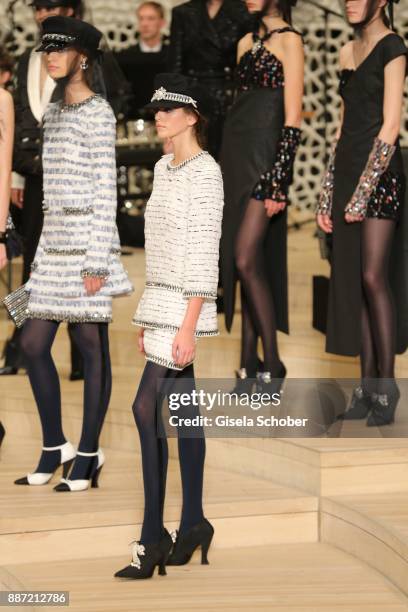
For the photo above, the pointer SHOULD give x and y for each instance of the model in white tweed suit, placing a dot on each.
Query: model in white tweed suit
(79, 235)
(77, 269)
(182, 233)
(183, 221)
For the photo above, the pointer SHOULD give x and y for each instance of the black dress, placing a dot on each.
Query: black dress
(205, 49)
(362, 91)
(252, 130)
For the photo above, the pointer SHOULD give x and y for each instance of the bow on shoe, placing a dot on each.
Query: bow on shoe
(174, 535)
(382, 399)
(137, 549)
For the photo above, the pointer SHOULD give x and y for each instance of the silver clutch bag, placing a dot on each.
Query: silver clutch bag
(16, 304)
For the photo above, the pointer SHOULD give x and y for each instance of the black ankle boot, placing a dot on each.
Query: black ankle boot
(361, 404)
(383, 407)
(244, 383)
(2, 432)
(186, 543)
(266, 383)
(145, 557)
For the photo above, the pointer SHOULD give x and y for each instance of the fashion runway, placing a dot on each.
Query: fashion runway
(300, 524)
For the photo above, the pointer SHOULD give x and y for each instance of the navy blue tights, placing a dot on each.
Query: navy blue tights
(147, 413)
(92, 340)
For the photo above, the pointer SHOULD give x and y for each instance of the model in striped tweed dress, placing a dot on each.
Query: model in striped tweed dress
(182, 233)
(77, 268)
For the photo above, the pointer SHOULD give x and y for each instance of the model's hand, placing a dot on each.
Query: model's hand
(3, 256)
(353, 218)
(184, 343)
(325, 223)
(140, 341)
(273, 207)
(93, 284)
(17, 197)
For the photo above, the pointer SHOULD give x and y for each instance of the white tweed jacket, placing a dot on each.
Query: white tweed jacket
(182, 233)
(79, 237)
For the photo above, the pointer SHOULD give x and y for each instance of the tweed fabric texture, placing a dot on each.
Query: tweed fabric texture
(79, 236)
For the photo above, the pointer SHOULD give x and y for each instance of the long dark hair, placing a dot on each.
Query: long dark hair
(200, 128)
(283, 6)
(372, 6)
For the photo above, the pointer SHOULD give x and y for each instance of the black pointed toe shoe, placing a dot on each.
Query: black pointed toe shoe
(145, 557)
(244, 383)
(383, 409)
(186, 543)
(361, 404)
(266, 383)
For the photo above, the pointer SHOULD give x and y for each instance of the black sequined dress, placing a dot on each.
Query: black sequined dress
(251, 134)
(362, 91)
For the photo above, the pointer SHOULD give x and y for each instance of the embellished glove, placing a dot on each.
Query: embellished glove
(324, 206)
(274, 184)
(377, 163)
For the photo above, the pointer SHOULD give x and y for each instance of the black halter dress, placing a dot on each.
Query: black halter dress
(251, 134)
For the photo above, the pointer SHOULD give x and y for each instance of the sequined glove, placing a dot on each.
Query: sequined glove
(377, 163)
(324, 206)
(274, 184)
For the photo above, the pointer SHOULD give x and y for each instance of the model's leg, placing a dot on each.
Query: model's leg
(249, 338)
(154, 449)
(191, 447)
(368, 358)
(377, 235)
(77, 364)
(250, 262)
(92, 340)
(36, 341)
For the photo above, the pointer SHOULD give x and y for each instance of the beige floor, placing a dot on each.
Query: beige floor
(278, 506)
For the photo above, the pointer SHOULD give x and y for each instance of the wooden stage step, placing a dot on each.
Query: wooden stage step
(36, 521)
(318, 465)
(310, 577)
(372, 527)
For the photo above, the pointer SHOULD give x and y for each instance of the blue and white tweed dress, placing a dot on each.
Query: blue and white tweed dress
(182, 232)
(79, 236)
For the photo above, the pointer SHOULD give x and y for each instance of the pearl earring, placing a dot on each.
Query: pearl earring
(84, 64)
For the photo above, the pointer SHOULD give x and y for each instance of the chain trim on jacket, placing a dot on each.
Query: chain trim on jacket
(179, 289)
(164, 286)
(95, 272)
(174, 328)
(198, 293)
(87, 317)
(67, 210)
(165, 362)
(55, 251)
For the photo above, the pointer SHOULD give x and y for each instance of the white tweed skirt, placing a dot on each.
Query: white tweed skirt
(158, 347)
